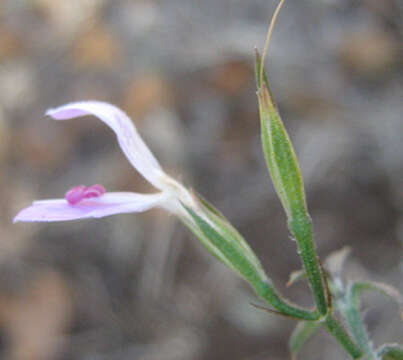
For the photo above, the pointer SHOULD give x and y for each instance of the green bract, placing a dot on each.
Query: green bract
(223, 241)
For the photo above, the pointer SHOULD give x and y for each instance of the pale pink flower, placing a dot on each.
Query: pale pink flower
(82, 202)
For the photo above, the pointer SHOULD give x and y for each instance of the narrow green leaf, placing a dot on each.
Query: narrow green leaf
(230, 250)
(390, 352)
(354, 320)
(301, 334)
(351, 313)
(359, 287)
(276, 312)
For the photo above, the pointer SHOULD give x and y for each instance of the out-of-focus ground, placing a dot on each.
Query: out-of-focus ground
(140, 286)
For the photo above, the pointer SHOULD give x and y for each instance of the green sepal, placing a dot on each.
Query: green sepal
(390, 352)
(222, 240)
(232, 235)
(301, 334)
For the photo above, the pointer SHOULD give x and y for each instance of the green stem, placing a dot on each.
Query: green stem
(300, 226)
(344, 339)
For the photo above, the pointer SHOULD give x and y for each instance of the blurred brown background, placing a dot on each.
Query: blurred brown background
(140, 286)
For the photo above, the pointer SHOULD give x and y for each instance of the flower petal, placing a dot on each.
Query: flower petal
(129, 139)
(108, 204)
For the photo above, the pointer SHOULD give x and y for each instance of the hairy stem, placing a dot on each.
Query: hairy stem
(301, 228)
(344, 339)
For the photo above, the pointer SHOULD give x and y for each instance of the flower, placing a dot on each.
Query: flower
(82, 202)
(212, 229)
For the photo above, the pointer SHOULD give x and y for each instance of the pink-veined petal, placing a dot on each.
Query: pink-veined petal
(105, 205)
(129, 139)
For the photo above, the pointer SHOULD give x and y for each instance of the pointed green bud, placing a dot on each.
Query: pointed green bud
(287, 180)
(278, 150)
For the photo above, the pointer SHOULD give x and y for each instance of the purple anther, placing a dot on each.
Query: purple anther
(75, 194)
(94, 191)
(80, 192)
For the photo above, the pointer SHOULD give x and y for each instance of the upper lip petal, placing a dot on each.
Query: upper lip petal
(131, 143)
